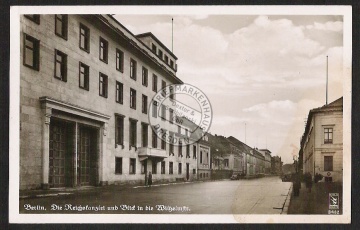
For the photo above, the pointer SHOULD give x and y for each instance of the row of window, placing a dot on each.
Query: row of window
(164, 57)
(132, 167)
(61, 22)
(119, 137)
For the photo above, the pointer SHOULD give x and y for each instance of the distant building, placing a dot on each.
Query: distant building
(267, 154)
(202, 148)
(322, 142)
(276, 165)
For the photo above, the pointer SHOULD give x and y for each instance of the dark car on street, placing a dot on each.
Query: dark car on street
(235, 176)
(286, 178)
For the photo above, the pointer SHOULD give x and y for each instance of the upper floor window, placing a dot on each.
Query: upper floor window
(103, 85)
(194, 151)
(172, 63)
(133, 132)
(328, 135)
(119, 129)
(154, 83)
(84, 38)
(33, 17)
(171, 115)
(166, 59)
(83, 76)
(154, 140)
(60, 65)
(160, 54)
(144, 104)
(154, 109)
(144, 76)
(132, 69)
(153, 48)
(132, 98)
(61, 25)
(119, 60)
(31, 55)
(119, 92)
(144, 134)
(103, 53)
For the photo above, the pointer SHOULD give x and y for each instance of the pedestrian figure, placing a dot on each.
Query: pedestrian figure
(149, 179)
(146, 178)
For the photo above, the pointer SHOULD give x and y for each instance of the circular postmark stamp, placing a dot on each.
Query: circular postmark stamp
(180, 114)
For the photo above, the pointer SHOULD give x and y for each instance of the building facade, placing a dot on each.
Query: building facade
(204, 158)
(322, 142)
(267, 164)
(86, 83)
(276, 165)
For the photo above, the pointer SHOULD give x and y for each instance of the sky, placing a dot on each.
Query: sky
(262, 74)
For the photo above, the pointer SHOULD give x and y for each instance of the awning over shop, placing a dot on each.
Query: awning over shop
(151, 153)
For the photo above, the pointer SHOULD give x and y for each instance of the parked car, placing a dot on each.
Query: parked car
(235, 176)
(286, 178)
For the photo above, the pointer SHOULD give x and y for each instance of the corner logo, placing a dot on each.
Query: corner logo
(334, 200)
(180, 120)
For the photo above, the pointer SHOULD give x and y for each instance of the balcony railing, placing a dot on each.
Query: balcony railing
(152, 152)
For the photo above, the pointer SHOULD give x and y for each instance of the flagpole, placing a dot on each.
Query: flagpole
(327, 67)
(172, 35)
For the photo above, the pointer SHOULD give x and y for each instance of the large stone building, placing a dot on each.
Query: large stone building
(322, 142)
(276, 165)
(86, 83)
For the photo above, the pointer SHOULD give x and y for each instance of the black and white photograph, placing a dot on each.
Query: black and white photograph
(180, 114)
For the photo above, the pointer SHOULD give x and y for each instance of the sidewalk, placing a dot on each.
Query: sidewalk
(316, 202)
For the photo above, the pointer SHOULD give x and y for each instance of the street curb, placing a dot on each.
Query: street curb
(45, 195)
(287, 202)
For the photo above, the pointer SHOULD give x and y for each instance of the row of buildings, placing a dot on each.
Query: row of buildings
(86, 83)
(321, 150)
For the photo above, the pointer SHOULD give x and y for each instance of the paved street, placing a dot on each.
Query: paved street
(257, 196)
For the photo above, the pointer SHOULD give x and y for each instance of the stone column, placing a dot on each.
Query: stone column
(45, 147)
(102, 161)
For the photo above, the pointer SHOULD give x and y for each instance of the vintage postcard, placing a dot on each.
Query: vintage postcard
(180, 114)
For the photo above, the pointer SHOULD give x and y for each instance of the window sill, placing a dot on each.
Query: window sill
(122, 146)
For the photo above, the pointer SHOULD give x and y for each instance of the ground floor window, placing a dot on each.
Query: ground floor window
(171, 167)
(163, 167)
(118, 165)
(154, 167)
(328, 163)
(143, 167)
(180, 168)
(194, 171)
(132, 168)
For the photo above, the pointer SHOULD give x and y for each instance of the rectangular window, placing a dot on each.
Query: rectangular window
(103, 85)
(163, 112)
(144, 76)
(60, 65)
(194, 171)
(166, 59)
(132, 98)
(171, 146)
(153, 48)
(328, 135)
(226, 162)
(103, 52)
(119, 92)
(163, 144)
(154, 140)
(179, 129)
(328, 163)
(144, 134)
(180, 168)
(201, 157)
(118, 165)
(186, 132)
(171, 167)
(172, 64)
(180, 149)
(83, 76)
(160, 54)
(132, 132)
(132, 69)
(194, 151)
(33, 17)
(162, 167)
(119, 129)
(163, 84)
(171, 115)
(132, 168)
(84, 38)
(154, 167)
(154, 83)
(188, 151)
(119, 60)
(143, 166)
(154, 109)
(61, 25)
(31, 52)
(144, 104)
